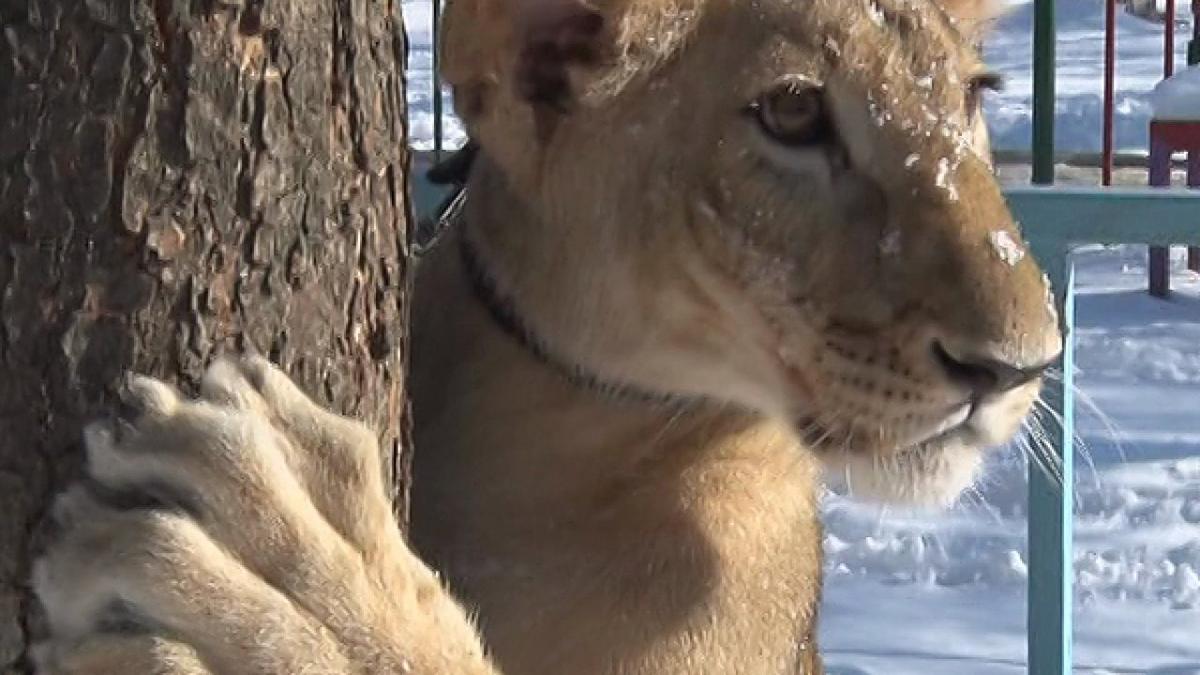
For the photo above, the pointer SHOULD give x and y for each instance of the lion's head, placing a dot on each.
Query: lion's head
(785, 205)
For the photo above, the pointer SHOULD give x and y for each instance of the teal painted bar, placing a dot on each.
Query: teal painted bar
(1048, 608)
(1051, 500)
(1065, 402)
(1054, 218)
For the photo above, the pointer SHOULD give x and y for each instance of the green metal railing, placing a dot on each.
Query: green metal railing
(1054, 220)
(1048, 606)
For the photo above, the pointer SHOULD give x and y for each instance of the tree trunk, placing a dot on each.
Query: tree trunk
(179, 177)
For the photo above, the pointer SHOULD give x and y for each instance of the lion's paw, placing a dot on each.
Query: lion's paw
(251, 527)
(339, 463)
(119, 654)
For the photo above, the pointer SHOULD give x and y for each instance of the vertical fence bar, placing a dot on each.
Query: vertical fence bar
(1050, 502)
(1110, 73)
(1161, 149)
(1161, 165)
(1160, 256)
(436, 64)
(1193, 181)
(1169, 41)
(1193, 58)
(1043, 92)
(1193, 54)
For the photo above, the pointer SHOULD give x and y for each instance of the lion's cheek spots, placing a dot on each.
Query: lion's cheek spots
(803, 385)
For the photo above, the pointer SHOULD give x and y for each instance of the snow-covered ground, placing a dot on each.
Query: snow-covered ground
(1080, 80)
(946, 591)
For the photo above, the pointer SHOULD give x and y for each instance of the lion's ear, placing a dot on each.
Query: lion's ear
(974, 17)
(530, 46)
(553, 38)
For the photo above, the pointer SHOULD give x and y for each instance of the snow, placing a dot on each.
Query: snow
(939, 593)
(1080, 81)
(1006, 248)
(1178, 97)
(418, 22)
(942, 179)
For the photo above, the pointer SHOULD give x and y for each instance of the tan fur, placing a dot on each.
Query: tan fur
(274, 550)
(646, 233)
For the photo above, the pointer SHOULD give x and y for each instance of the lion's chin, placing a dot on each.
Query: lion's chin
(932, 471)
(931, 474)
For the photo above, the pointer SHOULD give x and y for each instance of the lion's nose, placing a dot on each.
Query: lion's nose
(985, 375)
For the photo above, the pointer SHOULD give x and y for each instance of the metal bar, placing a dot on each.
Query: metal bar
(1169, 41)
(1023, 157)
(1193, 181)
(1048, 605)
(1193, 168)
(1110, 71)
(1051, 501)
(436, 63)
(1160, 176)
(1056, 218)
(1043, 92)
(1193, 55)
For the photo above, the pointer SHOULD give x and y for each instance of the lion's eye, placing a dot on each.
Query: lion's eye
(793, 114)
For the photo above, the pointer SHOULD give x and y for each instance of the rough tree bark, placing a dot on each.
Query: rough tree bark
(178, 177)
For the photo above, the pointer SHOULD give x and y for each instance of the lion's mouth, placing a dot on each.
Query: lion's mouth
(959, 423)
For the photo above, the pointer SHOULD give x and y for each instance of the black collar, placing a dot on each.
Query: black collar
(503, 311)
(455, 171)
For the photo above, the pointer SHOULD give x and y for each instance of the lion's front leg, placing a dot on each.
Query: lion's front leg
(245, 532)
(114, 653)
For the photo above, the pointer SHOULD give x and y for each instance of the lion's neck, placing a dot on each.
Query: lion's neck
(543, 501)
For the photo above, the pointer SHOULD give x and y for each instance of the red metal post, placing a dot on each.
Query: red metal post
(1160, 176)
(1160, 164)
(1166, 138)
(1193, 252)
(1110, 60)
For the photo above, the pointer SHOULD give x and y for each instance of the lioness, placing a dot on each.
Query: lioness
(708, 245)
